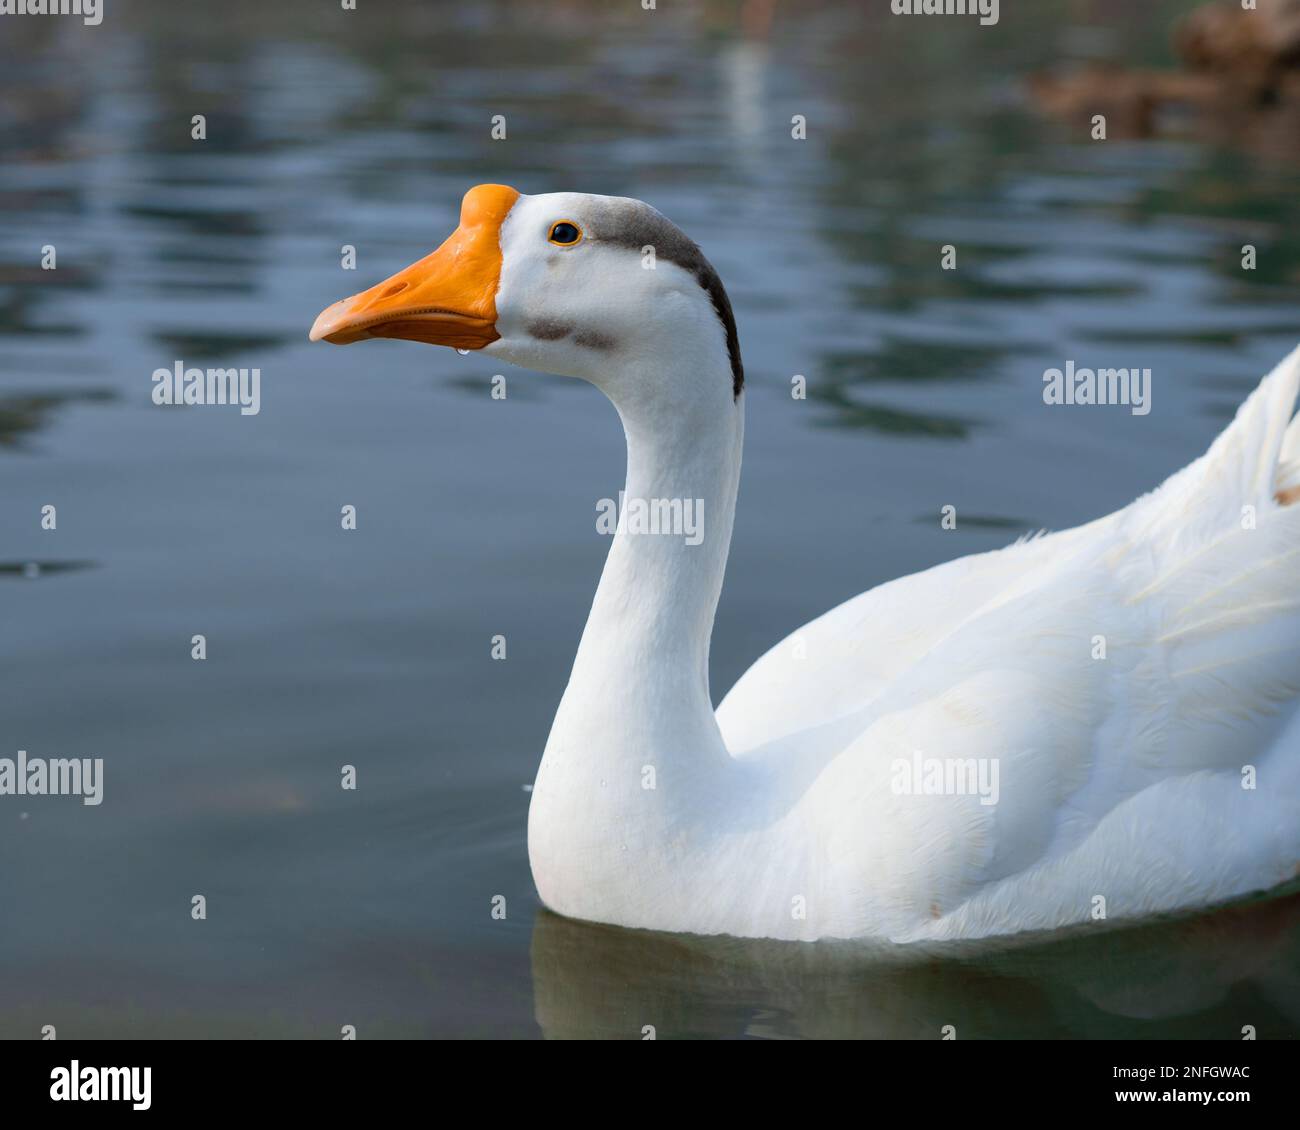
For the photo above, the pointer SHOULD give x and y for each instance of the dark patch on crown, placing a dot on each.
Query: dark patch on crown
(634, 224)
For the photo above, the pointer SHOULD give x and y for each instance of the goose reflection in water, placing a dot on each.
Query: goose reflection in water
(1209, 976)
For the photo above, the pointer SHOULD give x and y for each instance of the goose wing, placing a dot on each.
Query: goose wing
(1123, 675)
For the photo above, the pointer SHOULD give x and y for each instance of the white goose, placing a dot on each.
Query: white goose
(1124, 784)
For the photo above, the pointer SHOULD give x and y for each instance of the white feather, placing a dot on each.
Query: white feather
(1122, 778)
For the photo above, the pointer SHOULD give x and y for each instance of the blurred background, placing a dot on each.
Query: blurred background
(328, 127)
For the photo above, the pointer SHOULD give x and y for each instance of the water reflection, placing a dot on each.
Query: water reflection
(198, 346)
(32, 570)
(19, 316)
(333, 128)
(24, 413)
(849, 412)
(1203, 977)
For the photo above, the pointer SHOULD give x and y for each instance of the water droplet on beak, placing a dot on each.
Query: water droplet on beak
(463, 352)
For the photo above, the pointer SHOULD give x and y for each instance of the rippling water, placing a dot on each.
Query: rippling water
(328, 128)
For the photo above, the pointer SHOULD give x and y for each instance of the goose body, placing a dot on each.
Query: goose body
(1098, 723)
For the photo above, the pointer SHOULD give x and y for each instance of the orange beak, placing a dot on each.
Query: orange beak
(447, 298)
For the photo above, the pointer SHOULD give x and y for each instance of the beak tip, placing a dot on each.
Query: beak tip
(326, 323)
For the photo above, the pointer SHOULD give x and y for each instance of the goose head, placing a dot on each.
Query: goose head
(603, 288)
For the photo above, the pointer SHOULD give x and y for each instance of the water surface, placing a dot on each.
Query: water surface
(476, 516)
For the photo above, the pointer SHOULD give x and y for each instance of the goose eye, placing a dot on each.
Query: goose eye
(565, 233)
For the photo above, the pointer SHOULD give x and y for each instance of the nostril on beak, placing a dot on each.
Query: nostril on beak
(396, 288)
